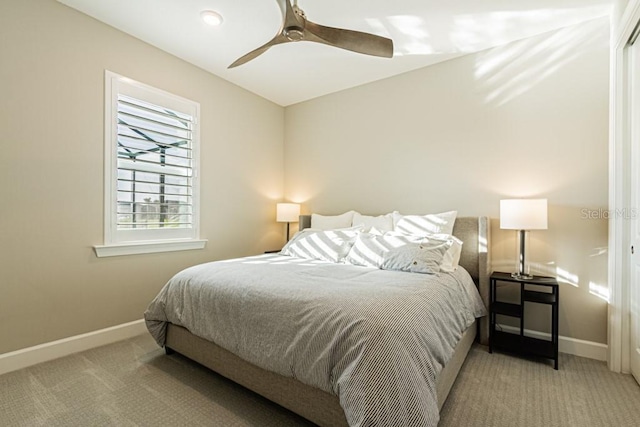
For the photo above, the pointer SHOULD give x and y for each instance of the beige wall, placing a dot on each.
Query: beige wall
(52, 62)
(528, 119)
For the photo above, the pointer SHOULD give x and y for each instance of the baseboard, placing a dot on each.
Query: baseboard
(589, 349)
(52, 350)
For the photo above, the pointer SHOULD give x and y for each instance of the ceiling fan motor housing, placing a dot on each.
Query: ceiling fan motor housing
(294, 34)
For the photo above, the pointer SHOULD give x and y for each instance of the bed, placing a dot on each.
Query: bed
(284, 380)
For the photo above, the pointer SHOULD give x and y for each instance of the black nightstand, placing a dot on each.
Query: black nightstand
(519, 343)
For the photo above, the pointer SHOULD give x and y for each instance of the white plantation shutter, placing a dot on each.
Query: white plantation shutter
(151, 176)
(154, 166)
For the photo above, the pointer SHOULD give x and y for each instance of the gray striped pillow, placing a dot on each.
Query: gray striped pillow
(398, 252)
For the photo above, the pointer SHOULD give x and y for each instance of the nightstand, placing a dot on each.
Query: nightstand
(538, 290)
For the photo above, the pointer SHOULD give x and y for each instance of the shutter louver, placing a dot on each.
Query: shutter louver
(155, 166)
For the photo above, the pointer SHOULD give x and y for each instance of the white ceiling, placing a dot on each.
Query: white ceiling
(424, 32)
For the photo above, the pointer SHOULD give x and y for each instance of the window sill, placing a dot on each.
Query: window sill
(151, 247)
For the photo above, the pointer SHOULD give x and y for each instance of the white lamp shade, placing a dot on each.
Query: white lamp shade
(287, 212)
(523, 214)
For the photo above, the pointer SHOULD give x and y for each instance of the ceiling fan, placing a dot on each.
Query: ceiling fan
(295, 27)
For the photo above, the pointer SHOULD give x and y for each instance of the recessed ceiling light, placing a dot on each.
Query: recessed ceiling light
(211, 17)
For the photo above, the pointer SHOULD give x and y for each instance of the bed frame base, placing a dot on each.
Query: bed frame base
(311, 403)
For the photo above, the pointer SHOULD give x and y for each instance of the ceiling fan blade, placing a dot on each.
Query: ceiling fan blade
(295, 27)
(355, 41)
(279, 39)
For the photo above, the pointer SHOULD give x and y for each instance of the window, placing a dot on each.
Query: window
(151, 170)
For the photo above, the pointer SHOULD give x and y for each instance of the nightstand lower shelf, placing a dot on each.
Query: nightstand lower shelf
(514, 343)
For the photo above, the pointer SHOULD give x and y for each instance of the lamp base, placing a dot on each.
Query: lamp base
(521, 276)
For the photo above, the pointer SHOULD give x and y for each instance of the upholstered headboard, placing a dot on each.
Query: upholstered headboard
(475, 233)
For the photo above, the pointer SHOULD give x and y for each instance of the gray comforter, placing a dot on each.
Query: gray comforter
(377, 339)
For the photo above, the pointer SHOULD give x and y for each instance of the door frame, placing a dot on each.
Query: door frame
(634, 260)
(620, 191)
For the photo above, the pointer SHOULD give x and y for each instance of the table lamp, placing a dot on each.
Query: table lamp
(523, 215)
(287, 212)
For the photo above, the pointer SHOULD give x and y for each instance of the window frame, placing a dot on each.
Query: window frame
(138, 241)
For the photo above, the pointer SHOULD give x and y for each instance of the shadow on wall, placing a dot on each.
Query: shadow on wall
(573, 249)
(506, 73)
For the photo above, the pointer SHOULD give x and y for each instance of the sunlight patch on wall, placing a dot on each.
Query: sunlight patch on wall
(506, 73)
(472, 32)
(411, 26)
(600, 291)
(540, 269)
(410, 34)
(567, 277)
(443, 33)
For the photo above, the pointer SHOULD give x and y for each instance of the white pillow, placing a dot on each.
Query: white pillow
(398, 252)
(357, 228)
(382, 223)
(329, 245)
(324, 222)
(375, 231)
(421, 225)
(451, 257)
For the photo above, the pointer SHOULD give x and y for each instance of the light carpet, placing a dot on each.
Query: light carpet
(132, 383)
